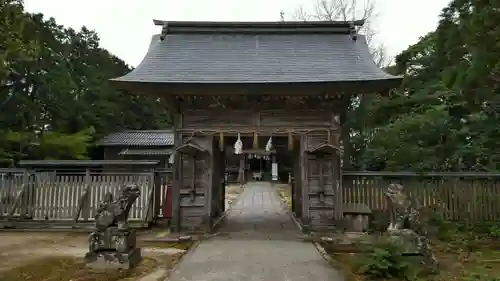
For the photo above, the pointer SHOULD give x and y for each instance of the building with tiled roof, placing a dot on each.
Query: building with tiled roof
(138, 144)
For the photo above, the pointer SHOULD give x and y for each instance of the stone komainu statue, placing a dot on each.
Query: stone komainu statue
(399, 207)
(113, 243)
(406, 226)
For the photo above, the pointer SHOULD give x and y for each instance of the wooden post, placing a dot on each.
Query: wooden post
(150, 212)
(32, 195)
(83, 208)
(304, 182)
(20, 202)
(241, 170)
(177, 183)
(339, 201)
(223, 181)
(346, 142)
(297, 181)
(157, 193)
(209, 188)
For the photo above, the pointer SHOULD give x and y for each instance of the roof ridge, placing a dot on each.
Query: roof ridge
(271, 27)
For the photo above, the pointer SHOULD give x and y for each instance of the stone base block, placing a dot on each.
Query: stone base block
(408, 239)
(113, 259)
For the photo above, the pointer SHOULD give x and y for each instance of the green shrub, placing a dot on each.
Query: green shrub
(385, 260)
(494, 231)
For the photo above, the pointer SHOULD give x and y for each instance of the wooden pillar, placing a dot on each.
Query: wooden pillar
(296, 181)
(337, 182)
(346, 142)
(210, 187)
(177, 180)
(157, 194)
(241, 170)
(304, 183)
(223, 181)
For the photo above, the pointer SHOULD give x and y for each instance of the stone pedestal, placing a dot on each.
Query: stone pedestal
(416, 248)
(113, 260)
(113, 248)
(408, 239)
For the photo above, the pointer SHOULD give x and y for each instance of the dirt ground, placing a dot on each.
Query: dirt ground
(51, 256)
(285, 191)
(20, 250)
(233, 191)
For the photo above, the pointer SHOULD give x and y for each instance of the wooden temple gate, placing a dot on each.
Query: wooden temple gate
(227, 80)
(314, 144)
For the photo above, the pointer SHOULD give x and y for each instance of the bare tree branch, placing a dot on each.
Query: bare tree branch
(301, 14)
(347, 10)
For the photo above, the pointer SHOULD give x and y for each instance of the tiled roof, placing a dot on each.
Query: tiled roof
(265, 54)
(147, 152)
(139, 138)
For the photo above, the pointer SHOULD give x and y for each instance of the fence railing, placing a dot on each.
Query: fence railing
(455, 196)
(75, 196)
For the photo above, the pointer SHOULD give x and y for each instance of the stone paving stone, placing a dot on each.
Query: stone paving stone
(260, 243)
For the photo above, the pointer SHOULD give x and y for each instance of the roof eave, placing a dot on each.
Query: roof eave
(146, 87)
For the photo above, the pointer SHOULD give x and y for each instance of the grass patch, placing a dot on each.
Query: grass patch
(73, 268)
(483, 264)
(70, 268)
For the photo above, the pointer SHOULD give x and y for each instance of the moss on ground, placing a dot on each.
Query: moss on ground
(60, 268)
(482, 264)
(71, 268)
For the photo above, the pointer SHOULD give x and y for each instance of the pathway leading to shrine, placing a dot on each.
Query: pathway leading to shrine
(258, 241)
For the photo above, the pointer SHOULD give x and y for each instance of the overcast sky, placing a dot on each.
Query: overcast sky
(125, 27)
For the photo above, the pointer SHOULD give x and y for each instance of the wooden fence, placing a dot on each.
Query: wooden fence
(455, 196)
(74, 197)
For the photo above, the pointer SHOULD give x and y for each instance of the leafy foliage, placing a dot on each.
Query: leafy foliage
(445, 116)
(55, 98)
(385, 260)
